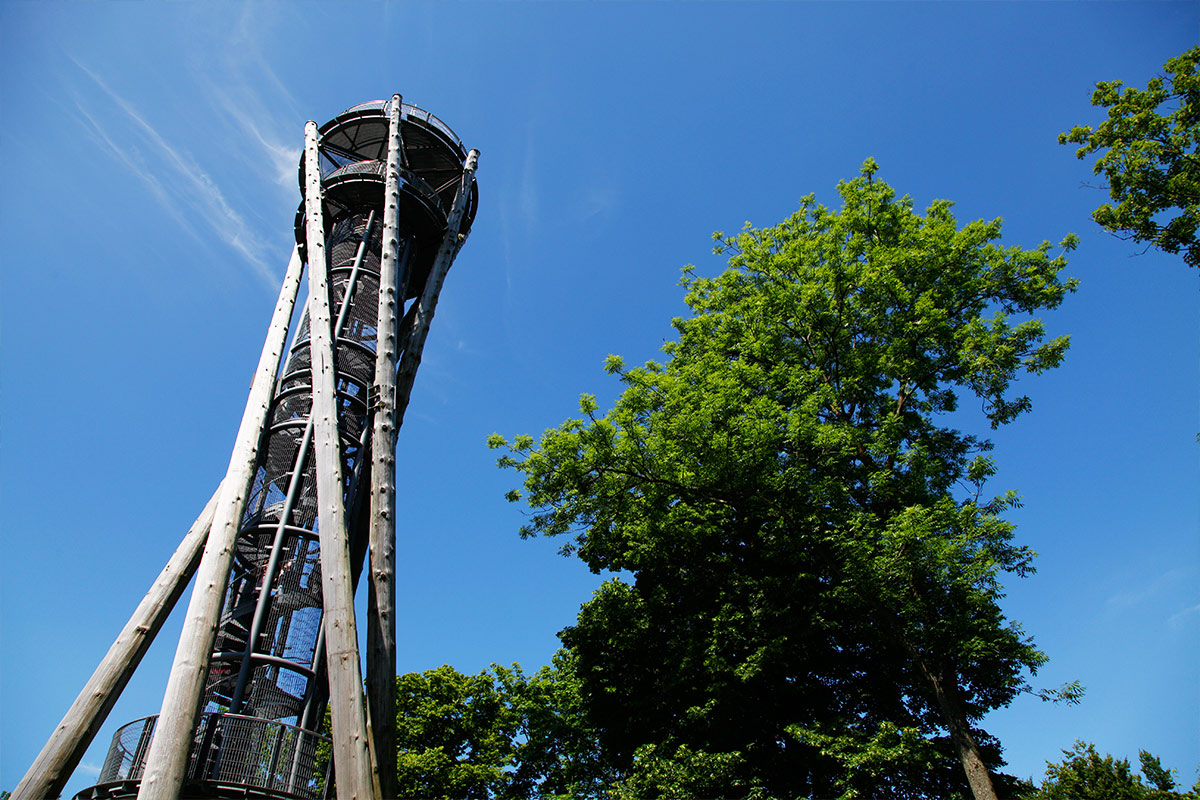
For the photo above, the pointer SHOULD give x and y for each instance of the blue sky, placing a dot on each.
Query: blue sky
(146, 206)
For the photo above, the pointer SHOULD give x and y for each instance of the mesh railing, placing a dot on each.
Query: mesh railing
(231, 750)
(127, 754)
(333, 171)
(412, 112)
(383, 107)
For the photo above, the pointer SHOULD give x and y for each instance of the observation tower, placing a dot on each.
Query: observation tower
(270, 639)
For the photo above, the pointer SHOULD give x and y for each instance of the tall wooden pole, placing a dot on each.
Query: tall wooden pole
(422, 312)
(61, 754)
(167, 760)
(351, 756)
(381, 630)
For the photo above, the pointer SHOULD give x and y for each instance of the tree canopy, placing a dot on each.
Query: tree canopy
(454, 735)
(1150, 163)
(496, 734)
(815, 572)
(1086, 775)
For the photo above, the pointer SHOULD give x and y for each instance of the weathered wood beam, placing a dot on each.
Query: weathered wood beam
(167, 759)
(350, 742)
(381, 630)
(61, 754)
(417, 331)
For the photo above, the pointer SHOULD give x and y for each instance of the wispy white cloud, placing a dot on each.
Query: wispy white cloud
(1180, 616)
(243, 85)
(598, 199)
(132, 159)
(193, 195)
(90, 769)
(519, 208)
(518, 213)
(1151, 590)
(506, 245)
(283, 160)
(527, 196)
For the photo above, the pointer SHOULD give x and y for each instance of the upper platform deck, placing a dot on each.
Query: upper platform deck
(356, 139)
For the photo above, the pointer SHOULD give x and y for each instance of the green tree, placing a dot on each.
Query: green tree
(1086, 775)
(659, 772)
(1151, 163)
(454, 735)
(496, 734)
(814, 597)
(557, 754)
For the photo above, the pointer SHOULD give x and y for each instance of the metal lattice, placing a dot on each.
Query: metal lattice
(231, 750)
(273, 679)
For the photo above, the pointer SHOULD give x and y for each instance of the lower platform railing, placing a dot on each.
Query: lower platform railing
(234, 751)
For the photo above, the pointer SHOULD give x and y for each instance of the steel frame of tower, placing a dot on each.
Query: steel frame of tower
(355, 166)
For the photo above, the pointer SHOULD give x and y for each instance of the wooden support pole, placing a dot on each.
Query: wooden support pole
(350, 742)
(422, 313)
(61, 754)
(168, 757)
(381, 630)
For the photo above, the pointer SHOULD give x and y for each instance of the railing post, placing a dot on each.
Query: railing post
(138, 764)
(208, 726)
(274, 756)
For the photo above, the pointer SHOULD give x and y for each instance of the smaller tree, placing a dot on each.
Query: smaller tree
(1151, 163)
(498, 734)
(1086, 775)
(454, 735)
(558, 752)
(661, 771)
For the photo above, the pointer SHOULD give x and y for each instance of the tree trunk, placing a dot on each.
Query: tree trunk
(381, 619)
(944, 683)
(945, 689)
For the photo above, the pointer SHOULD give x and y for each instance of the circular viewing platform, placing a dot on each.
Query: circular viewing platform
(353, 151)
(431, 155)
